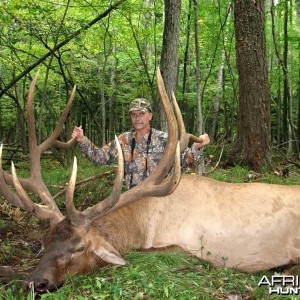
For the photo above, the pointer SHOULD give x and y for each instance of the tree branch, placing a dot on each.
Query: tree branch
(83, 181)
(58, 46)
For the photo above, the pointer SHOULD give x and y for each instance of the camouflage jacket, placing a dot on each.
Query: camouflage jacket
(140, 157)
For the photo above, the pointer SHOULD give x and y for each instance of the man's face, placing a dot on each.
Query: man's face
(140, 119)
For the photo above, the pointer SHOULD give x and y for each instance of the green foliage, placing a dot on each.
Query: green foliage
(154, 275)
(115, 60)
(236, 174)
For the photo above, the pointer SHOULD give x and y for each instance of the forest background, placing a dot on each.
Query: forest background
(235, 68)
(233, 65)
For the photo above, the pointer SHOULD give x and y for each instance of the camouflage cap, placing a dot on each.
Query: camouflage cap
(140, 104)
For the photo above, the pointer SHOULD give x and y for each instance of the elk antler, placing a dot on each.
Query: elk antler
(159, 183)
(49, 209)
(162, 181)
(184, 136)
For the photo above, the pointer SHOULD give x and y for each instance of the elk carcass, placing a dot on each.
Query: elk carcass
(248, 226)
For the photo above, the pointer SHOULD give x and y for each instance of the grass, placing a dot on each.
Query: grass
(150, 275)
(241, 174)
(154, 275)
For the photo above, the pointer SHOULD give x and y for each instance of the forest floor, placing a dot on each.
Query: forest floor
(20, 242)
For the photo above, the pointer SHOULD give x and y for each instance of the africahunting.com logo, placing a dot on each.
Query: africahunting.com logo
(281, 284)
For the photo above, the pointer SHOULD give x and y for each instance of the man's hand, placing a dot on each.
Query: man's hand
(205, 141)
(78, 134)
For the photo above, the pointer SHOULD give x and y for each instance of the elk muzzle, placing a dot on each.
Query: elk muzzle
(41, 283)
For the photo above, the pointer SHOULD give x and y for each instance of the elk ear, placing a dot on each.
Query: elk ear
(111, 257)
(109, 254)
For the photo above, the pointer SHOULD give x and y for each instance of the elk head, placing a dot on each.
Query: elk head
(74, 244)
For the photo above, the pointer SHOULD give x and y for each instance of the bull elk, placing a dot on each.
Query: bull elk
(250, 226)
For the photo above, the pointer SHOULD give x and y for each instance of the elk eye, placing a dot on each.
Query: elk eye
(80, 249)
(62, 259)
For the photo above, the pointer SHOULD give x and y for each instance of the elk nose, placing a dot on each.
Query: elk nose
(40, 287)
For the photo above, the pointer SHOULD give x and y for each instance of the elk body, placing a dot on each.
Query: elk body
(251, 227)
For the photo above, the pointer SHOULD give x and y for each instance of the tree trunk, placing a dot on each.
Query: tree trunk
(198, 71)
(200, 165)
(252, 145)
(217, 100)
(286, 106)
(298, 18)
(186, 60)
(112, 99)
(169, 56)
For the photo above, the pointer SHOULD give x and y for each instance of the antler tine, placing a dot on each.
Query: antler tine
(87, 216)
(35, 150)
(73, 214)
(166, 187)
(184, 136)
(40, 211)
(33, 153)
(166, 163)
(65, 146)
(51, 141)
(5, 191)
